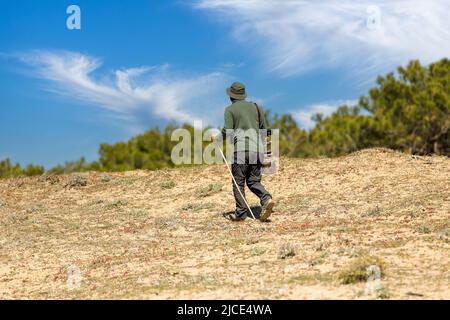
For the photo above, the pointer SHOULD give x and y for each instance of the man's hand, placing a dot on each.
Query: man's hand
(216, 136)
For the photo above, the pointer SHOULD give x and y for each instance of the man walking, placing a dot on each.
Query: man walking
(243, 123)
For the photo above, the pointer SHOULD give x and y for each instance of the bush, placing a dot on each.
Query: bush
(8, 170)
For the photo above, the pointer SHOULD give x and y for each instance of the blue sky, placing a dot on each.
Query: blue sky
(142, 63)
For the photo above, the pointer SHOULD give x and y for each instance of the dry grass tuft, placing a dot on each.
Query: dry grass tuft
(196, 207)
(209, 190)
(168, 184)
(287, 250)
(358, 270)
(77, 181)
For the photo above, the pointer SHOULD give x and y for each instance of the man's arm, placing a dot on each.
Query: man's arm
(229, 123)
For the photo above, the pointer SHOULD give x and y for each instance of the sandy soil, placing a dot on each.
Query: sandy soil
(162, 234)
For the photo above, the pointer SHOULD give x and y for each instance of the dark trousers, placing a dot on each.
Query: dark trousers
(251, 174)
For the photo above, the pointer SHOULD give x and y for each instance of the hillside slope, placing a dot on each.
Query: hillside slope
(162, 234)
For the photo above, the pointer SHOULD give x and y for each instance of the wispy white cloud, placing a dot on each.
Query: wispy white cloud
(226, 67)
(305, 114)
(364, 36)
(126, 93)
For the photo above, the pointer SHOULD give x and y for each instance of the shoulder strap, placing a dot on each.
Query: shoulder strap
(259, 113)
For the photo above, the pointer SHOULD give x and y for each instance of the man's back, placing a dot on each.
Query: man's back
(242, 117)
(244, 114)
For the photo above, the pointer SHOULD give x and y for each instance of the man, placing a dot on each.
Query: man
(244, 120)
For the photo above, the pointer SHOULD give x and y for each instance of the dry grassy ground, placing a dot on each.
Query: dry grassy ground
(161, 235)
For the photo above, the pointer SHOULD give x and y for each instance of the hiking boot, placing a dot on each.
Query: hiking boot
(235, 218)
(267, 209)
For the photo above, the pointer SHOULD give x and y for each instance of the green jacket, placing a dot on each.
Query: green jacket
(241, 118)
